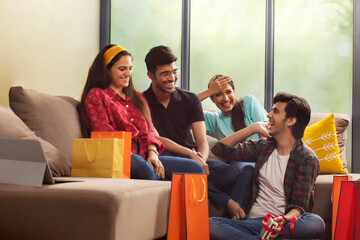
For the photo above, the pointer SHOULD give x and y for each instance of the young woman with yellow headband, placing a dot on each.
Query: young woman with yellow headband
(110, 103)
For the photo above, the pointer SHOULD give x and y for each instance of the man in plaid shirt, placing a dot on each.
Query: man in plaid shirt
(284, 177)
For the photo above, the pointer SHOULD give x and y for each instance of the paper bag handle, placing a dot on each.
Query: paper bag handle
(194, 192)
(111, 135)
(97, 153)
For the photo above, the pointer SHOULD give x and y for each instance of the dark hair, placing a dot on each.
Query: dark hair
(159, 55)
(99, 76)
(296, 107)
(237, 113)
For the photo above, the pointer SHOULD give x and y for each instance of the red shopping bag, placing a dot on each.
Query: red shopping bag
(189, 213)
(348, 218)
(335, 198)
(127, 147)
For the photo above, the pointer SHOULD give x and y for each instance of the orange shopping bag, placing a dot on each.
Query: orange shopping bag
(189, 213)
(335, 198)
(127, 147)
(348, 218)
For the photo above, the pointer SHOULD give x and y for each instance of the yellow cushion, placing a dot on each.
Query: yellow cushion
(321, 138)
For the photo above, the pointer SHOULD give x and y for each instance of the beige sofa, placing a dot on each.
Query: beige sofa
(95, 208)
(323, 186)
(91, 208)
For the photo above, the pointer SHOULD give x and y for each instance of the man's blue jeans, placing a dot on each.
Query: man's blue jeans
(308, 226)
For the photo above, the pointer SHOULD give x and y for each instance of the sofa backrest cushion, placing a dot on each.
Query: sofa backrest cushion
(321, 137)
(342, 121)
(54, 119)
(11, 126)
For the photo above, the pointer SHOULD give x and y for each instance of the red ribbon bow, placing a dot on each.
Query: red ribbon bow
(292, 226)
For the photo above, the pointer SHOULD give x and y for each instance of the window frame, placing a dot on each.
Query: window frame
(355, 166)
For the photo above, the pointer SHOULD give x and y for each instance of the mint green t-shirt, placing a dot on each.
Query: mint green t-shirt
(219, 126)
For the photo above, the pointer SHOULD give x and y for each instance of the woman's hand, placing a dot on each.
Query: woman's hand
(218, 84)
(155, 163)
(215, 86)
(199, 158)
(262, 128)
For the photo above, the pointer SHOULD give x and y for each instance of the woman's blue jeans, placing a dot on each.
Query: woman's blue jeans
(141, 169)
(234, 178)
(307, 226)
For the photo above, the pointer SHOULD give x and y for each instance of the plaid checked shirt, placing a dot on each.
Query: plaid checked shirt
(301, 171)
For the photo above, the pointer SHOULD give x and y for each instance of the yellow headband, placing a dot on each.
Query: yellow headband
(111, 53)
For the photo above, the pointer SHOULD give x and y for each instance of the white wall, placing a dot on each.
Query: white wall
(47, 45)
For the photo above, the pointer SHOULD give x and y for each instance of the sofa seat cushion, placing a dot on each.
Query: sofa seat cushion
(95, 208)
(54, 119)
(11, 126)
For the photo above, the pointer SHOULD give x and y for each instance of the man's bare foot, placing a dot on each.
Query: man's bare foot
(235, 211)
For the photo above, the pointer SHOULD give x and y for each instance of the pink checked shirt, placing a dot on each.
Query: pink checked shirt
(107, 111)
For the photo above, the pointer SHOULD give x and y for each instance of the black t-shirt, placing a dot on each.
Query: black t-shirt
(174, 122)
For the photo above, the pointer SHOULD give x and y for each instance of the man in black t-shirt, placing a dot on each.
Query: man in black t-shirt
(175, 112)
(175, 120)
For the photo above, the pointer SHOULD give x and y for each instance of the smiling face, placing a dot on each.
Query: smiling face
(121, 72)
(225, 100)
(165, 78)
(278, 122)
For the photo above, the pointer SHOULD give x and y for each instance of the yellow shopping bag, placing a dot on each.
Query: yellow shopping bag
(98, 157)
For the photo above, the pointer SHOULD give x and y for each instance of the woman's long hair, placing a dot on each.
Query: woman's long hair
(237, 113)
(99, 76)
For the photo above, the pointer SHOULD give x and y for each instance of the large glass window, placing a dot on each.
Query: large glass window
(313, 46)
(228, 38)
(142, 24)
(313, 52)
